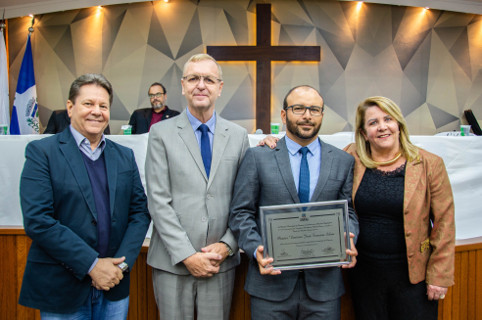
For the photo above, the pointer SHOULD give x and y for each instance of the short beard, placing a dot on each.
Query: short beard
(294, 129)
(157, 106)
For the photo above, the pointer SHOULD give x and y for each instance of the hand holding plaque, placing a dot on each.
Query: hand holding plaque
(353, 252)
(308, 235)
(264, 263)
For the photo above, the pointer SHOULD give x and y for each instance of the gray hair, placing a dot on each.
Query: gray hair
(90, 78)
(201, 57)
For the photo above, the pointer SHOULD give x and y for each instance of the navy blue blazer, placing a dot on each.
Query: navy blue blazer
(141, 119)
(60, 216)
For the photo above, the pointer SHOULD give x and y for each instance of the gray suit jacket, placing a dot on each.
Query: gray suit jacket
(190, 211)
(264, 179)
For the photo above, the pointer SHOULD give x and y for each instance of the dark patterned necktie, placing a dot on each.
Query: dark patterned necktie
(304, 182)
(205, 148)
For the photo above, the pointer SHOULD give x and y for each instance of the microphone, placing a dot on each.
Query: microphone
(258, 131)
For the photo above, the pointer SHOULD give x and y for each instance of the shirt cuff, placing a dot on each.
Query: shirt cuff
(93, 264)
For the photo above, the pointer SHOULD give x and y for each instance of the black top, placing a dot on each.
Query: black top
(379, 205)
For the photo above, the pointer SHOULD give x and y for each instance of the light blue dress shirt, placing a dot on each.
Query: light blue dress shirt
(314, 161)
(195, 123)
(84, 145)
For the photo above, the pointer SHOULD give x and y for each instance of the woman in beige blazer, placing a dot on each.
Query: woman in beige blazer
(404, 202)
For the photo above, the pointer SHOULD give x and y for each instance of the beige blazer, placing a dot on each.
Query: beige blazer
(428, 199)
(188, 210)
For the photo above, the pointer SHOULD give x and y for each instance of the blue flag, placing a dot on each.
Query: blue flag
(25, 112)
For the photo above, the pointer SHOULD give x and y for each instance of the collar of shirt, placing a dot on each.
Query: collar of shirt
(294, 147)
(84, 145)
(314, 161)
(195, 123)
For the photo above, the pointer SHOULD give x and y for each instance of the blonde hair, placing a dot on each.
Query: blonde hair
(201, 57)
(409, 150)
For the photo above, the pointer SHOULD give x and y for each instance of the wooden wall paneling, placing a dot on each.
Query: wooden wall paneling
(140, 267)
(456, 290)
(134, 293)
(478, 284)
(23, 246)
(463, 301)
(141, 290)
(445, 306)
(240, 300)
(7, 277)
(142, 305)
(471, 284)
(463, 285)
(14, 245)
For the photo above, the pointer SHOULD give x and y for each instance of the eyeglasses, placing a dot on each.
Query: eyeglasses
(300, 109)
(193, 79)
(155, 95)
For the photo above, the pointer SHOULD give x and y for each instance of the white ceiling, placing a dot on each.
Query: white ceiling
(20, 8)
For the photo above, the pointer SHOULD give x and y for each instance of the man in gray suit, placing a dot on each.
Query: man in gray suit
(301, 168)
(191, 166)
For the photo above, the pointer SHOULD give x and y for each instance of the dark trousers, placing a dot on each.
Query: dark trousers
(298, 306)
(382, 291)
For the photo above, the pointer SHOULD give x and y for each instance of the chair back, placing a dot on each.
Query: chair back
(469, 115)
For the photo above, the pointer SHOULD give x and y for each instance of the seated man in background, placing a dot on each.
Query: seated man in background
(59, 120)
(142, 119)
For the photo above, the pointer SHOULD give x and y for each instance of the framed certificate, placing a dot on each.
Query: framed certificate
(306, 235)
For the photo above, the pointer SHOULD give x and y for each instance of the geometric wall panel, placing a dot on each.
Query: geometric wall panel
(460, 52)
(427, 61)
(240, 98)
(440, 117)
(64, 48)
(110, 29)
(157, 39)
(192, 39)
(416, 75)
(119, 112)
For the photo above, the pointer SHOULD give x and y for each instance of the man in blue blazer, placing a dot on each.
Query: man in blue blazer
(279, 176)
(85, 209)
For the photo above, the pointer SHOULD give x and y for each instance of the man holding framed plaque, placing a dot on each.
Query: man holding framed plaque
(299, 171)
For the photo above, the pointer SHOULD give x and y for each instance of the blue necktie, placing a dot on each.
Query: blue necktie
(304, 183)
(205, 148)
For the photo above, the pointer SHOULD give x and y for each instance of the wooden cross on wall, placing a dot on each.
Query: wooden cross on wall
(263, 53)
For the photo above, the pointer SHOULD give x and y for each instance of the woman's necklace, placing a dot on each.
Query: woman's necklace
(389, 162)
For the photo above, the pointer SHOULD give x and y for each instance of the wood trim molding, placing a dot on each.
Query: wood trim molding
(12, 230)
(463, 300)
